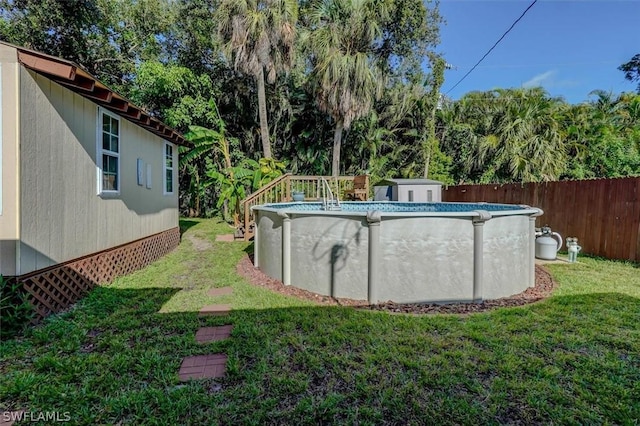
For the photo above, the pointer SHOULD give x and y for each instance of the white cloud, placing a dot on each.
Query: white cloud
(550, 80)
(540, 80)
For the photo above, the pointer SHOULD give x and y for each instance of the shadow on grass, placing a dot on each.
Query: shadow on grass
(115, 359)
(571, 358)
(185, 224)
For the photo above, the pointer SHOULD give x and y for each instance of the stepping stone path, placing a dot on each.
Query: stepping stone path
(215, 310)
(203, 367)
(220, 291)
(211, 365)
(213, 334)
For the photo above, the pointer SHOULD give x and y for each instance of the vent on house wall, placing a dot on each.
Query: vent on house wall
(140, 171)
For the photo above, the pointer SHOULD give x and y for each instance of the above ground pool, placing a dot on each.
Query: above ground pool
(401, 252)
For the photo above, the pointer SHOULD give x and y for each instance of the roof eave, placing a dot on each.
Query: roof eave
(73, 77)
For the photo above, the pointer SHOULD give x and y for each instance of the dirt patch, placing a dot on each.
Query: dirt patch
(542, 289)
(198, 243)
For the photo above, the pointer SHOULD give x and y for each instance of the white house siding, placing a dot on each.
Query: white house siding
(63, 218)
(9, 183)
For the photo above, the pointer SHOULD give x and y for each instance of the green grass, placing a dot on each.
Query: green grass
(573, 358)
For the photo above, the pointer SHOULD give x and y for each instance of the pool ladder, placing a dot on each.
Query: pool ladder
(329, 201)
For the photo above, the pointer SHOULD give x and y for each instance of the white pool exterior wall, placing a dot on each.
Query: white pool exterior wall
(419, 257)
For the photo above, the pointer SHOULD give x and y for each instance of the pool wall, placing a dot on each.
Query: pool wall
(404, 257)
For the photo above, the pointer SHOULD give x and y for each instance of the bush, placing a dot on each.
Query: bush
(15, 310)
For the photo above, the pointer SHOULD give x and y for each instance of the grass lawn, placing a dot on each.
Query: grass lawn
(114, 358)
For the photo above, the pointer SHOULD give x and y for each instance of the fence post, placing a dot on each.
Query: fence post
(366, 186)
(288, 188)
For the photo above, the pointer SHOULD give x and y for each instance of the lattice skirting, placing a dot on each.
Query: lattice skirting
(56, 288)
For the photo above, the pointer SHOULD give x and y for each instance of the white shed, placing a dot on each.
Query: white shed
(411, 190)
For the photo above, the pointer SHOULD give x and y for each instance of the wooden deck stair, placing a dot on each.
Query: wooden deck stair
(280, 190)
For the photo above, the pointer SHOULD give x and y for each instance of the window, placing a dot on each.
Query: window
(429, 195)
(108, 154)
(168, 168)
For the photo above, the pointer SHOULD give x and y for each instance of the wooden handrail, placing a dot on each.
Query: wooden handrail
(267, 187)
(283, 182)
(280, 189)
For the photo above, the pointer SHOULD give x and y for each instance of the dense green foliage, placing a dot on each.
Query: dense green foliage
(259, 39)
(631, 69)
(15, 310)
(313, 81)
(525, 135)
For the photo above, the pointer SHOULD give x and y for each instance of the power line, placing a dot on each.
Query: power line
(494, 45)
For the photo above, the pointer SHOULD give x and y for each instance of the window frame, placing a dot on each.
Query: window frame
(101, 152)
(166, 168)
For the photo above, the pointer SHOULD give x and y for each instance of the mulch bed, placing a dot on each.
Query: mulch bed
(542, 289)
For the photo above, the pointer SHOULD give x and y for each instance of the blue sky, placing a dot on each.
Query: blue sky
(569, 47)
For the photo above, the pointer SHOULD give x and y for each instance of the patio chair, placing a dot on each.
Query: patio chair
(360, 191)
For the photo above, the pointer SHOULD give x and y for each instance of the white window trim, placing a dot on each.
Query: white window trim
(165, 168)
(100, 151)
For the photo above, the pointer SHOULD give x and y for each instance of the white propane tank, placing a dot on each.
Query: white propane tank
(548, 244)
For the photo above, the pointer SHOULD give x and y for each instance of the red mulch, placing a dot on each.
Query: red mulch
(542, 289)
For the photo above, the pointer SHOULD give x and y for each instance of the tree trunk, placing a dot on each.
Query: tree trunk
(262, 112)
(337, 141)
(197, 193)
(437, 72)
(427, 158)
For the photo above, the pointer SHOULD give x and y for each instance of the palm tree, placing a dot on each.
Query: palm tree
(259, 36)
(429, 103)
(630, 113)
(506, 135)
(465, 123)
(527, 143)
(575, 126)
(346, 77)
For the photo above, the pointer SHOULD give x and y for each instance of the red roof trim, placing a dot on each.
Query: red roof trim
(73, 77)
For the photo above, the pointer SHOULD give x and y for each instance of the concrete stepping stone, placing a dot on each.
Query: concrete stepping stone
(227, 238)
(203, 367)
(213, 334)
(215, 310)
(222, 291)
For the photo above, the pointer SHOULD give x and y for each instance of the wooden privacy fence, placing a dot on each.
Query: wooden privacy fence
(603, 213)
